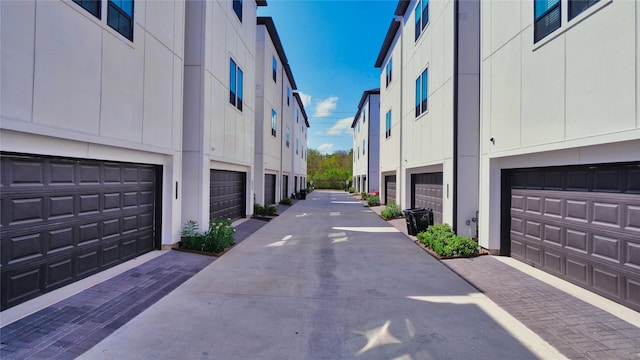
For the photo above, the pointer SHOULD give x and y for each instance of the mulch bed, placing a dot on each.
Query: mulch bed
(208, 253)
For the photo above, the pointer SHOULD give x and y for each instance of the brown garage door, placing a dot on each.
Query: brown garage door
(65, 219)
(269, 189)
(581, 223)
(389, 188)
(426, 191)
(227, 198)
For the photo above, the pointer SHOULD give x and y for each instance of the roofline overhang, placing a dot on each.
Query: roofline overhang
(388, 40)
(364, 97)
(267, 21)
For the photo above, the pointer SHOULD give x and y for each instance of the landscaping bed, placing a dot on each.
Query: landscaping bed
(215, 241)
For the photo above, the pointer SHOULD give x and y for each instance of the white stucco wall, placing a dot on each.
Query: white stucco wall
(572, 98)
(72, 86)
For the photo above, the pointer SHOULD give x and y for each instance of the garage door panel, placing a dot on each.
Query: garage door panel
(61, 214)
(632, 290)
(390, 188)
(227, 199)
(581, 224)
(427, 192)
(269, 189)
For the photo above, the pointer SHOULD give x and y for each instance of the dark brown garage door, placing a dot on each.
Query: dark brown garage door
(227, 198)
(426, 191)
(269, 189)
(389, 188)
(581, 223)
(65, 219)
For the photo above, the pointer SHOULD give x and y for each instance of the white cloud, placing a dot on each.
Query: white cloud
(342, 125)
(306, 99)
(324, 107)
(325, 149)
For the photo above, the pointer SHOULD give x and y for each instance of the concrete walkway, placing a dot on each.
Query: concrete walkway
(327, 279)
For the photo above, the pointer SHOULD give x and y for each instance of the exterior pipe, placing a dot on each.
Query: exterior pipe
(455, 113)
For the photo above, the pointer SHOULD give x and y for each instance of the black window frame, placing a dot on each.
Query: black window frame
(387, 124)
(577, 7)
(274, 122)
(236, 88)
(274, 65)
(87, 5)
(420, 24)
(237, 8)
(547, 22)
(389, 71)
(124, 24)
(422, 93)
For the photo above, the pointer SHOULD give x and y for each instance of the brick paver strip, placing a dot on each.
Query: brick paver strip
(74, 325)
(577, 329)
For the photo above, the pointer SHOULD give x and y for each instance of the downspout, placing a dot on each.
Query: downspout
(282, 95)
(455, 113)
(399, 181)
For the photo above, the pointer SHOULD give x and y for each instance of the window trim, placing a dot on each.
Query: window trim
(274, 123)
(419, 30)
(122, 14)
(421, 104)
(237, 10)
(236, 92)
(566, 25)
(81, 3)
(274, 65)
(387, 124)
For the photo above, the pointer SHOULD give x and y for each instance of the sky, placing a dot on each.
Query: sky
(332, 47)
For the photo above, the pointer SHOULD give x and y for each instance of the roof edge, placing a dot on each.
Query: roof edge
(304, 113)
(402, 7)
(267, 21)
(388, 40)
(365, 94)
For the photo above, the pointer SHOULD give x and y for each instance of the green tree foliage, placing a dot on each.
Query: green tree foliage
(329, 171)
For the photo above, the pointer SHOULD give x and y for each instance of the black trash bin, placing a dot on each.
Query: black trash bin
(409, 216)
(303, 194)
(423, 218)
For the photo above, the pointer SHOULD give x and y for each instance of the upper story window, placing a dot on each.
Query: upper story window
(287, 136)
(120, 17)
(576, 7)
(235, 85)
(388, 71)
(288, 95)
(274, 122)
(237, 8)
(547, 18)
(92, 6)
(297, 145)
(422, 16)
(364, 116)
(275, 67)
(363, 145)
(421, 92)
(297, 115)
(387, 125)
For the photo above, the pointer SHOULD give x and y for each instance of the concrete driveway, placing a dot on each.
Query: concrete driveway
(327, 279)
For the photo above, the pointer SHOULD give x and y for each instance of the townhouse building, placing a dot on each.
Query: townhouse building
(299, 133)
(560, 140)
(90, 137)
(219, 109)
(429, 95)
(366, 143)
(277, 116)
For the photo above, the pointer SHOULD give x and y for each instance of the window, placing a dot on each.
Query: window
(120, 17)
(287, 136)
(275, 67)
(578, 6)
(364, 116)
(297, 115)
(388, 71)
(358, 152)
(237, 8)
(421, 92)
(547, 18)
(235, 85)
(422, 16)
(288, 95)
(363, 146)
(274, 122)
(92, 6)
(297, 144)
(387, 125)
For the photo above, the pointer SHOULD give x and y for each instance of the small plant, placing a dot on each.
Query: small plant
(270, 210)
(363, 195)
(189, 229)
(441, 239)
(373, 200)
(285, 201)
(352, 190)
(259, 210)
(391, 211)
(219, 236)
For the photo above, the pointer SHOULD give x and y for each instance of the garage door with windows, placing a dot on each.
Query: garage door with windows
(65, 219)
(581, 223)
(227, 194)
(389, 188)
(269, 189)
(426, 191)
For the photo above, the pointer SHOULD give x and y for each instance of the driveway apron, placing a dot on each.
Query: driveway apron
(327, 279)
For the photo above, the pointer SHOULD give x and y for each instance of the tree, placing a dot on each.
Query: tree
(329, 171)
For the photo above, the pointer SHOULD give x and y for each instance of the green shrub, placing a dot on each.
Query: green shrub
(391, 211)
(364, 195)
(270, 210)
(373, 200)
(259, 210)
(285, 201)
(441, 239)
(219, 236)
(352, 190)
